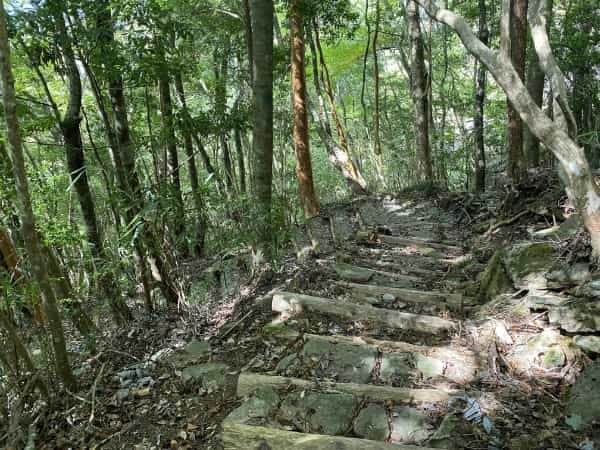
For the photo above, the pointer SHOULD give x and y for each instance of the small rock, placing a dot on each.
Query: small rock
(589, 344)
(388, 298)
(371, 300)
(372, 423)
(122, 395)
(210, 375)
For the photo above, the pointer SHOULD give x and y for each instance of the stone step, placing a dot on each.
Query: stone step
(360, 274)
(409, 242)
(455, 302)
(292, 304)
(237, 436)
(249, 383)
(354, 359)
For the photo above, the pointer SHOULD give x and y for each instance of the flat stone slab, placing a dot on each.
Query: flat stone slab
(583, 407)
(341, 361)
(328, 413)
(409, 425)
(372, 423)
(193, 353)
(211, 375)
(589, 344)
(578, 317)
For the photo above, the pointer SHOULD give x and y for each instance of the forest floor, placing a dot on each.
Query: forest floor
(378, 335)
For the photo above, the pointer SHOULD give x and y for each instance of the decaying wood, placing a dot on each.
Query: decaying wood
(249, 382)
(363, 274)
(289, 304)
(237, 436)
(453, 301)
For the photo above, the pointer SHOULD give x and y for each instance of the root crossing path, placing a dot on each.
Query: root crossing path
(380, 355)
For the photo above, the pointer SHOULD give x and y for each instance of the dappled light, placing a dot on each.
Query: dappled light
(300, 224)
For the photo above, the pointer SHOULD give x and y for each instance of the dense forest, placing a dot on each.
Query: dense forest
(149, 143)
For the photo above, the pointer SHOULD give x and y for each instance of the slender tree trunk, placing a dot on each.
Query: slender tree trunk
(379, 167)
(248, 35)
(221, 74)
(364, 69)
(239, 148)
(535, 85)
(518, 48)
(262, 131)
(192, 169)
(170, 141)
(478, 125)
(301, 135)
(38, 265)
(419, 93)
(344, 158)
(146, 246)
(70, 126)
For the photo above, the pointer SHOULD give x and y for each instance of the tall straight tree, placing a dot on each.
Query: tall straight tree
(535, 85)
(518, 50)
(301, 137)
(28, 227)
(478, 122)
(262, 130)
(418, 85)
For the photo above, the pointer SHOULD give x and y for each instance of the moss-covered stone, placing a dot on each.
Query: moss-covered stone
(494, 280)
(527, 264)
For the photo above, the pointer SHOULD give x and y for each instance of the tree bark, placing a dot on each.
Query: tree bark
(557, 134)
(518, 49)
(419, 94)
(535, 85)
(170, 142)
(379, 167)
(480, 82)
(221, 68)
(188, 145)
(339, 155)
(38, 265)
(248, 34)
(262, 131)
(301, 135)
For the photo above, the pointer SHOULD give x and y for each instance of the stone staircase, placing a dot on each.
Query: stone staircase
(377, 363)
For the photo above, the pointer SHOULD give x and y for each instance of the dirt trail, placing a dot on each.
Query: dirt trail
(382, 356)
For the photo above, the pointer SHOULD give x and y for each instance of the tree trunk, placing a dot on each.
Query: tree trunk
(262, 131)
(556, 135)
(129, 183)
(239, 149)
(419, 94)
(170, 141)
(379, 167)
(339, 155)
(248, 35)
(301, 135)
(518, 49)
(535, 86)
(70, 126)
(188, 145)
(221, 68)
(478, 125)
(38, 265)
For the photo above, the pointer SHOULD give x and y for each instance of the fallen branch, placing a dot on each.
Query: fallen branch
(503, 223)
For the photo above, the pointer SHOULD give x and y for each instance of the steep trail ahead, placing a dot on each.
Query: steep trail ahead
(374, 359)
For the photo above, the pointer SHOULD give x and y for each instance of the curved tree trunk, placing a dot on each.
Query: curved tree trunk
(556, 135)
(301, 136)
(379, 167)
